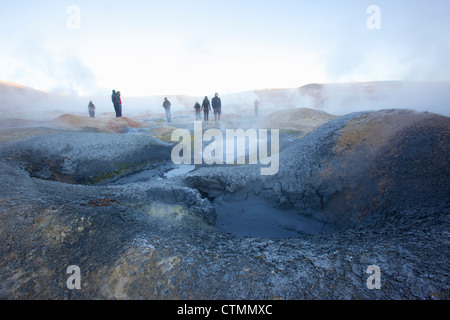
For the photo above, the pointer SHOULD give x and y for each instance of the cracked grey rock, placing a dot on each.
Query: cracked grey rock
(157, 240)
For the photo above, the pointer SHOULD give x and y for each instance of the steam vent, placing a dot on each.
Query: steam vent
(364, 189)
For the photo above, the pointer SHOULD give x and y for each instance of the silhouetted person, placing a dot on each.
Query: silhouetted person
(116, 104)
(166, 106)
(120, 103)
(91, 108)
(256, 103)
(197, 108)
(217, 107)
(206, 107)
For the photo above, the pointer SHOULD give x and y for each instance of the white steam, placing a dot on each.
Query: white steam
(337, 99)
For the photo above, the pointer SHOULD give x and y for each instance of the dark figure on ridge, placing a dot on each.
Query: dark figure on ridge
(197, 108)
(217, 107)
(206, 107)
(166, 106)
(116, 103)
(91, 109)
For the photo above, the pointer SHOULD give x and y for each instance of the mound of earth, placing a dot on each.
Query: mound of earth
(20, 128)
(116, 125)
(352, 167)
(300, 119)
(387, 162)
(379, 178)
(87, 158)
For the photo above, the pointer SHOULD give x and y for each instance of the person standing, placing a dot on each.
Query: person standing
(115, 101)
(91, 108)
(197, 108)
(119, 100)
(166, 106)
(217, 107)
(206, 107)
(256, 103)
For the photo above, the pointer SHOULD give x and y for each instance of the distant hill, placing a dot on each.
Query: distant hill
(16, 97)
(343, 98)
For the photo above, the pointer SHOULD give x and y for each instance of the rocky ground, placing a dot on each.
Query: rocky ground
(378, 180)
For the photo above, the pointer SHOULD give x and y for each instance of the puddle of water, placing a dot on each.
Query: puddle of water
(180, 170)
(255, 217)
(160, 172)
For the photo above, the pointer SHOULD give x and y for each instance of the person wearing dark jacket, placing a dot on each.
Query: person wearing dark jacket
(206, 107)
(166, 106)
(197, 108)
(120, 103)
(116, 102)
(217, 107)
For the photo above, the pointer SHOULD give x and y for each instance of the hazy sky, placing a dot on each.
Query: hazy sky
(199, 47)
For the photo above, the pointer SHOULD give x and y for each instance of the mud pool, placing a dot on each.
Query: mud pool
(252, 216)
(158, 172)
(255, 217)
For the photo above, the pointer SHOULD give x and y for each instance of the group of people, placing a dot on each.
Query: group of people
(116, 100)
(206, 107)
